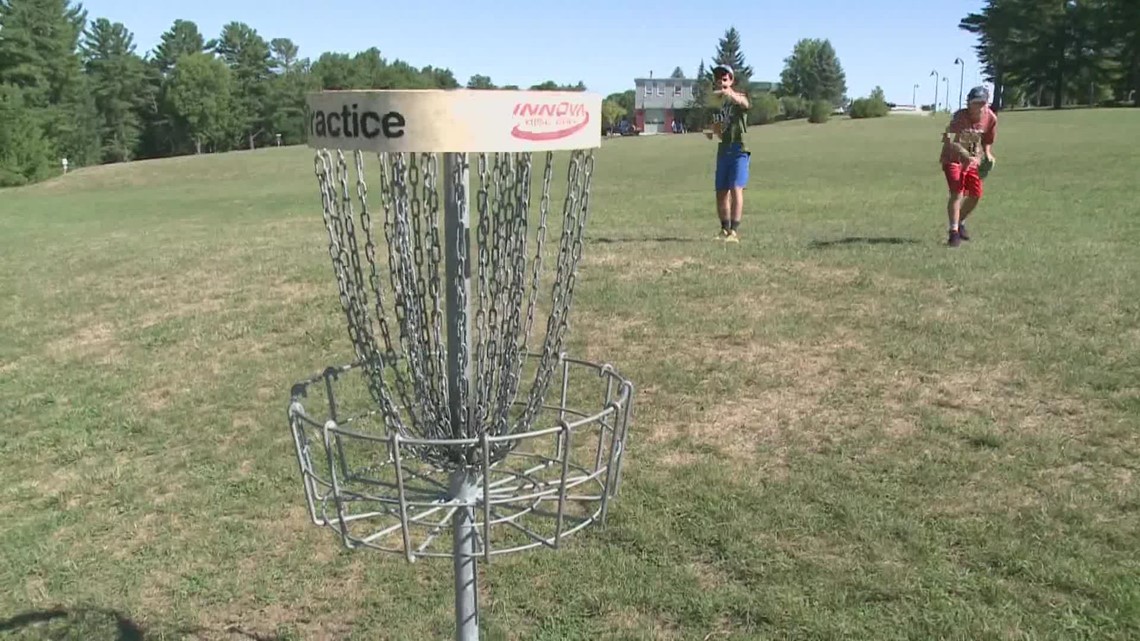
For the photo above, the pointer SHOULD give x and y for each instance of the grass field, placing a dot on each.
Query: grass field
(843, 429)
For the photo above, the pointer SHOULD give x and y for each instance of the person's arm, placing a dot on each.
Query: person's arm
(739, 98)
(949, 139)
(988, 139)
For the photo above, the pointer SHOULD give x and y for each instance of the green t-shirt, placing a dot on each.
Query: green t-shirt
(734, 124)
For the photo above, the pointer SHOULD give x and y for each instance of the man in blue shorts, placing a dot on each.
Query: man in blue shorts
(732, 157)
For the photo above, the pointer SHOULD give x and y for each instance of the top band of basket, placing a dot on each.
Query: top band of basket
(457, 121)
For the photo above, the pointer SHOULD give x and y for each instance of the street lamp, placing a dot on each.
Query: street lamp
(947, 82)
(961, 81)
(934, 107)
(914, 95)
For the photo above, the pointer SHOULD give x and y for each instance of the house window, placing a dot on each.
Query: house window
(648, 89)
(677, 91)
(660, 89)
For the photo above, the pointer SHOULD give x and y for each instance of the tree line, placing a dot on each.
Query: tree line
(1059, 52)
(812, 86)
(77, 88)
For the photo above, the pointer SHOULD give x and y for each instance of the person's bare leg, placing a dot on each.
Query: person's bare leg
(954, 210)
(968, 205)
(737, 206)
(724, 208)
(954, 213)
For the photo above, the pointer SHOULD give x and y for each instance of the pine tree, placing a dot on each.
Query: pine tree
(119, 87)
(993, 26)
(284, 54)
(247, 54)
(39, 56)
(183, 38)
(164, 134)
(1058, 51)
(1123, 26)
(25, 155)
(699, 112)
(729, 53)
(703, 85)
(287, 90)
(813, 72)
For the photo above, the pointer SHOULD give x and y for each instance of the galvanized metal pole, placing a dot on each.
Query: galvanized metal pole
(961, 79)
(457, 257)
(934, 107)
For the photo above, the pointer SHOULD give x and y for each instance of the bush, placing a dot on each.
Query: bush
(765, 109)
(869, 108)
(794, 107)
(820, 112)
(874, 106)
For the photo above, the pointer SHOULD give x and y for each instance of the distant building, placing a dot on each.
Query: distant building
(758, 87)
(659, 103)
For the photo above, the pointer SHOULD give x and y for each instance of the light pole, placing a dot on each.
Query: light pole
(914, 96)
(946, 81)
(961, 81)
(934, 107)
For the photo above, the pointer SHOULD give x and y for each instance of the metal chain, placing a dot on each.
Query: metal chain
(490, 308)
(406, 375)
(377, 361)
(514, 354)
(417, 335)
(579, 174)
(481, 321)
(459, 189)
(395, 209)
(434, 358)
(402, 265)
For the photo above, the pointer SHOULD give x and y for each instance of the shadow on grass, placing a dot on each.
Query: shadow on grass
(99, 624)
(862, 240)
(605, 240)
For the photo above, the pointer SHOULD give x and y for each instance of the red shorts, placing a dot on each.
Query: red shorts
(963, 181)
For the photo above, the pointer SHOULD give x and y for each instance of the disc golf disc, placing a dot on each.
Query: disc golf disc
(985, 167)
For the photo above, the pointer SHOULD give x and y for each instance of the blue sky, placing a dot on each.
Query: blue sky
(891, 43)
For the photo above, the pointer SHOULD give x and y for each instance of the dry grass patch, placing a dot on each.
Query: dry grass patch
(624, 263)
(60, 480)
(630, 624)
(1001, 394)
(791, 381)
(92, 340)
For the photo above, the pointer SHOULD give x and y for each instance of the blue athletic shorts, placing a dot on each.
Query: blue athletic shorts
(732, 168)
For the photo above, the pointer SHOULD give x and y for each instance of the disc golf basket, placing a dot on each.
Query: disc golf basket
(460, 413)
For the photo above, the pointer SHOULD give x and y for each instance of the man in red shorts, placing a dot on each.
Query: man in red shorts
(967, 141)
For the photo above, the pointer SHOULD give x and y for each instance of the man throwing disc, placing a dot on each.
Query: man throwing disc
(732, 157)
(967, 143)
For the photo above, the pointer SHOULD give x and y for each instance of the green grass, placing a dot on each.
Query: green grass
(843, 429)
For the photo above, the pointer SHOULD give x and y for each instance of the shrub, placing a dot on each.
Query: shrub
(820, 112)
(794, 107)
(873, 107)
(765, 109)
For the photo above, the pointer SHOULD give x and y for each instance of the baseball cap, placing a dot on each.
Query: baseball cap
(978, 94)
(725, 68)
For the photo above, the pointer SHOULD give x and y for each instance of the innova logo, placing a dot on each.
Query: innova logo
(549, 121)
